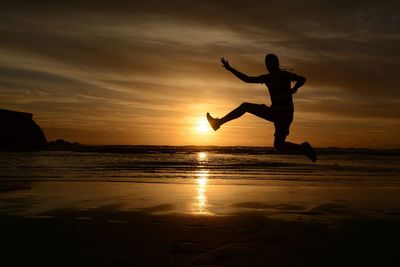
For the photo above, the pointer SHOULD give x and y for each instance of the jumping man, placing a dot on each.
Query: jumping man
(281, 110)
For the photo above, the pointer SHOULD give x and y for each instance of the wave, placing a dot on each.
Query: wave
(149, 163)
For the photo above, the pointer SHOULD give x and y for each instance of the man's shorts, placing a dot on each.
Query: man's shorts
(282, 118)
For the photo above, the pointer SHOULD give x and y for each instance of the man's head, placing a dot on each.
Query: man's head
(272, 62)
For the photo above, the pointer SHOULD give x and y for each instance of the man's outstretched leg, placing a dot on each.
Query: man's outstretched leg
(259, 110)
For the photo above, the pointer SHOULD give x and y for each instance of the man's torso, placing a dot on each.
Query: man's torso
(279, 87)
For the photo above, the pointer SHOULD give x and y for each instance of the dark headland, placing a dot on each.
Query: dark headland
(20, 132)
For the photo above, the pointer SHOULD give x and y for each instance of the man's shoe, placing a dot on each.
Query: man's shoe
(309, 151)
(213, 122)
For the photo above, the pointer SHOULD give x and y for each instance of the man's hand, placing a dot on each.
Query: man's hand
(225, 63)
(300, 81)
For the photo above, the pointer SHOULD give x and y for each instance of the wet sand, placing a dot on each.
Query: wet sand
(199, 224)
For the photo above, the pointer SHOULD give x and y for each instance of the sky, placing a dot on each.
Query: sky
(146, 72)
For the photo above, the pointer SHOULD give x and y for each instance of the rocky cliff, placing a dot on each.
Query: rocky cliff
(18, 131)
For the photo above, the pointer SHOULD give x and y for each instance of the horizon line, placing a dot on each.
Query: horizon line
(217, 146)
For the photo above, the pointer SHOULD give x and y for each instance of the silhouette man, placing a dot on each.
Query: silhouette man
(281, 110)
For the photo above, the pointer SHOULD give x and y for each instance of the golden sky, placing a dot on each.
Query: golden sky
(146, 72)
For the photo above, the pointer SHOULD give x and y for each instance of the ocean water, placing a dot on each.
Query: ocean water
(233, 165)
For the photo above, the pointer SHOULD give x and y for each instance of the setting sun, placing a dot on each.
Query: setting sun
(202, 126)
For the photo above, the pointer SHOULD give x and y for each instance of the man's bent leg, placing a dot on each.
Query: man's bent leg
(305, 148)
(281, 145)
(282, 121)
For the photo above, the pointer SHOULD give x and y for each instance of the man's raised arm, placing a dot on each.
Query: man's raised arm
(242, 76)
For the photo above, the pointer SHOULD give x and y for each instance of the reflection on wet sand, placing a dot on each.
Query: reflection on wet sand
(201, 198)
(201, 178)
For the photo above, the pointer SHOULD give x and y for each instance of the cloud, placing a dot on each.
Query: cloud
(153, 58)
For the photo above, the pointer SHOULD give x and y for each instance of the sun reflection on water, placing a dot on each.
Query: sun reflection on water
(202, 156)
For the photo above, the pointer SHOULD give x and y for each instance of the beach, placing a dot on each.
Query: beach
(199, 208)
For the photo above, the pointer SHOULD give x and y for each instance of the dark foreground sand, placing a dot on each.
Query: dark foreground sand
(49, 231)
